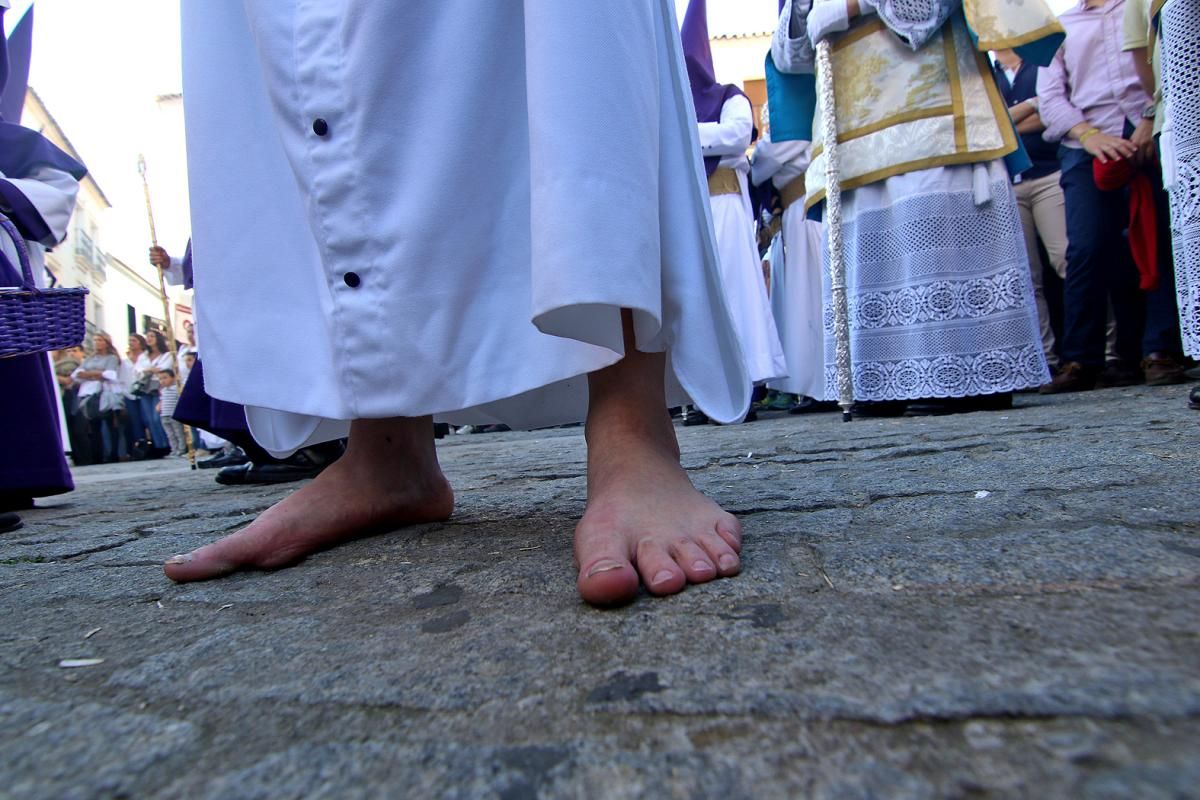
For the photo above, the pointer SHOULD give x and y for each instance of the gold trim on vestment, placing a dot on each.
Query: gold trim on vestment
(872, 25)
(1008, 131)
(912, 166)
(1025, 38)
(898, 119)
(792, 191)
(723, 181)
(956, 97)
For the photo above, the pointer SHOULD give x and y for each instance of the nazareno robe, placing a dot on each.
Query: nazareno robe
(549, 147)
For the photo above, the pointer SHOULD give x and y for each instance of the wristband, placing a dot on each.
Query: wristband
(1083, 137)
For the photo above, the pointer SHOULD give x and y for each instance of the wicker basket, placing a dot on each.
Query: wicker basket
(34, 320)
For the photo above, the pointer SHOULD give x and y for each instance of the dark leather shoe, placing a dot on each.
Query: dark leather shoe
(1117, 374)
(10, 522)
(1194, 398)
(252, 474)
(301, 465)
(695, 416)
(234, 459)
(1073, 377)
(807, 405)
(1163, 369)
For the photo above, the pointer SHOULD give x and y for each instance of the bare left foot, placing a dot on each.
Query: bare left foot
(645, 523)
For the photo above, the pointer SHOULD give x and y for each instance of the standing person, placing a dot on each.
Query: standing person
(1093, 102)
(168, 398)
(588, 285)
(65, 363)
(101, 398)
(141, 382)
(941, 303)
(38, 185)
(161, 359)
(726, 125)
(795, 269)
(1039, 195)
(1164, 40)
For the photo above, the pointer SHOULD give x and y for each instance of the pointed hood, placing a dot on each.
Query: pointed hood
(707, 95)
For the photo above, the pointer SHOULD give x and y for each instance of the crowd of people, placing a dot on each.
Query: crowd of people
(620, 252)
(119, 406)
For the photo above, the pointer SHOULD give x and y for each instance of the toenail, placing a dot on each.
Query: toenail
(702, 566)
(662, 576)
(603, 566)
(183, 559)
(727, 561)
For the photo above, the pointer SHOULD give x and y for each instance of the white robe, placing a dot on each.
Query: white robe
(795, 273)
(741, 268)
(549, 146)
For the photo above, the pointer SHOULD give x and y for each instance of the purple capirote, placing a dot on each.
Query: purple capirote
(707, 95)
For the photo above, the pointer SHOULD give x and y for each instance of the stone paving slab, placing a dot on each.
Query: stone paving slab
(982, 605)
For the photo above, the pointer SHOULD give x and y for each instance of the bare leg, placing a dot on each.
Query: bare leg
(388, 477)
(645, 522)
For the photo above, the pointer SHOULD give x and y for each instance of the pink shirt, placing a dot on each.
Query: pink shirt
(1091, 79)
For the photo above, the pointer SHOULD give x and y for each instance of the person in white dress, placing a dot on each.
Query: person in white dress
(725, 120)
(795, 268)
(560, 139)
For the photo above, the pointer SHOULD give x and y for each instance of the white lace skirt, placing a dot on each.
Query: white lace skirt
(403, 209)
(1180, 31)
(941, 303)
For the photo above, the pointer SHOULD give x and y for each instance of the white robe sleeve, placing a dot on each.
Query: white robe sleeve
(174, 273)
(791, 50)
(730, 136)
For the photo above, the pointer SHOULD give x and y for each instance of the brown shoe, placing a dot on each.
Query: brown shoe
(1072, 377)
(1163, 369)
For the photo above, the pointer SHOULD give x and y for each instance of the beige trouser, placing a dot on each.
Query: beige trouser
(1044, 216)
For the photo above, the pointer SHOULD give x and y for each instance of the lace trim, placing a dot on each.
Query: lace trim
(941, 302)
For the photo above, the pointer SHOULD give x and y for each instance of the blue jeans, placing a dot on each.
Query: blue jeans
(1099, 268)
(143, 417)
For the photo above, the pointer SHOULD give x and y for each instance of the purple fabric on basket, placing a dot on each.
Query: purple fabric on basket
(707, 95)
(32, 463)
(198, 409)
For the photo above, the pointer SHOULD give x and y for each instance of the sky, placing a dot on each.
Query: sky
(100, 65)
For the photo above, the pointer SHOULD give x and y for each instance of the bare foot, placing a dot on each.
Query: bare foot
(645, 522)
(388, 477)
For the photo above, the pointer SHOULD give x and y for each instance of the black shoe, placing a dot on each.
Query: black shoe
(938, 406)
(233, 459)
(10, 522)
(1194, 398)
(879, 408)
(695, 416)
(807, 405)
(301, 465)
(15, 502)
(1117, 373)
(440, 429)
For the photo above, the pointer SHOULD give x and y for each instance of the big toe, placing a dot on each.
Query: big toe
(211, 561)
(607, 580)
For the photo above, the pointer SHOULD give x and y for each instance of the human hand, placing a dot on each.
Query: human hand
(159, 257)
(1108, 148)
(1143, 140)
(826, 19)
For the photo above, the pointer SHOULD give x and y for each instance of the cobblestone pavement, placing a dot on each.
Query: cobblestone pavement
(984, 605)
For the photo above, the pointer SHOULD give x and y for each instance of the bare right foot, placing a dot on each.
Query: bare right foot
(389, 477)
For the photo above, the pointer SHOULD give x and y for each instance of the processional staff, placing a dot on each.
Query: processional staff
(166, 303)
(833, 228)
